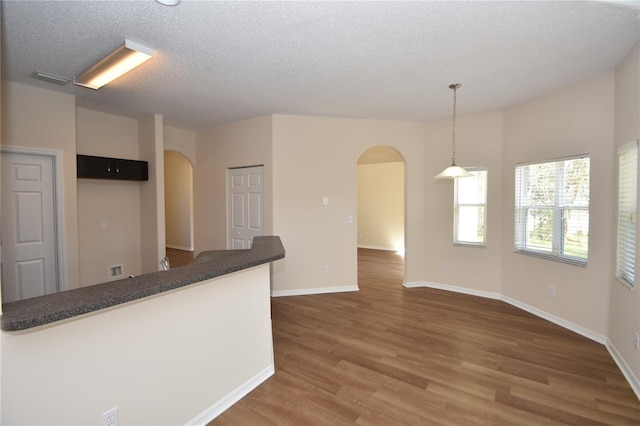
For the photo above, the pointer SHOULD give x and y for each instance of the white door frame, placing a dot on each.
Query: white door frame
(57, 199)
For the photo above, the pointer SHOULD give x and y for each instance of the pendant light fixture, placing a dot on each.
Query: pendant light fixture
(453, 171)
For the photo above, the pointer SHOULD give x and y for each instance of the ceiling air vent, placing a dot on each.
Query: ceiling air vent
(50, 78)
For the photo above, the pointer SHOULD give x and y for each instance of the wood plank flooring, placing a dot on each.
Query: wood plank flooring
(179, 257)
(389, 355)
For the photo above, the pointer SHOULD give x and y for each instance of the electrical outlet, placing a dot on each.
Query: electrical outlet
(110, 417)
(443, 266)
(325, 268)
(551, 291)
(636, 341)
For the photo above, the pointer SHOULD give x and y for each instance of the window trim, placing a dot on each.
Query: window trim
(456, 205)
(520, 216)
(631, 146)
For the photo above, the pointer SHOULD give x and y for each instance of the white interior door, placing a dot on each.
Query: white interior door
(244, 206)
(28, 229)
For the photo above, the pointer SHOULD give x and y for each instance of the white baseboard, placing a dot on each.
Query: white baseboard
(179, 247)
(589, 334)
(634, 382)
(532, 310)
(236, 395)
(364, 246)
(317, 290)
(627, 372)
(456, 289)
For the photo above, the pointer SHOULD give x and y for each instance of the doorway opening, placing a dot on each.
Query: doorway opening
(178, 206)
(381, 207)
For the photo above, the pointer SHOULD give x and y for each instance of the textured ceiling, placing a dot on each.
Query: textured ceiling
(218, 62)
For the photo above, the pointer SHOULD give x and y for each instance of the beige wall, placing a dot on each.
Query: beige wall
(624, 307)
(245, 143)
(178, 190)
(381, 206)
(182, 141)
(152, 217)
(176, 358)
(117, 203)
(479, 142)
(180, 152)
(307, 158)
(1, 138)
(314, 157)
(43, 119)
(575, 120)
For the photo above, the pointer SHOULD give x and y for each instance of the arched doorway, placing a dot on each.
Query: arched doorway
(381, 205)
(178, 196)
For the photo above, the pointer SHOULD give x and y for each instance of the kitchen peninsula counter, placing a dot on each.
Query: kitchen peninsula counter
(38, 311)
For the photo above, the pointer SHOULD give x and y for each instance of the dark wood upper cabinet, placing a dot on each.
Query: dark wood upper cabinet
(90, 167)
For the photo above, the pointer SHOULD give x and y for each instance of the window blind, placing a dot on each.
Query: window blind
(552, 209)
(627, 206)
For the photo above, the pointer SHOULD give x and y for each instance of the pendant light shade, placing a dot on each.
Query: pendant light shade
(453, 171)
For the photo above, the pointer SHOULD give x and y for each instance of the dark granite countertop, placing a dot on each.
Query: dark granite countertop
(43, 310)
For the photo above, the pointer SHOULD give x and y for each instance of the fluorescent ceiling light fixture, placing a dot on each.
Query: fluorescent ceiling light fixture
(122, 60)
(169, 2)
(453, 171)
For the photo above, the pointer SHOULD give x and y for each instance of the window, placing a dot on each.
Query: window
(470, 208)
(627, 204)
(552, 209)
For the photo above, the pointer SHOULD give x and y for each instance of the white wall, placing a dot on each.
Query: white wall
(165, 360)
(381, 206)
(575, 120)
(624, 307)
(37, 118)
(117, 203)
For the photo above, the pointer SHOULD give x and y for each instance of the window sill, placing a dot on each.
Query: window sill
(626, 283)
(568, 261)
(472, 245)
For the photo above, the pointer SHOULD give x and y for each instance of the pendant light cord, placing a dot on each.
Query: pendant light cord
(453, 123)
